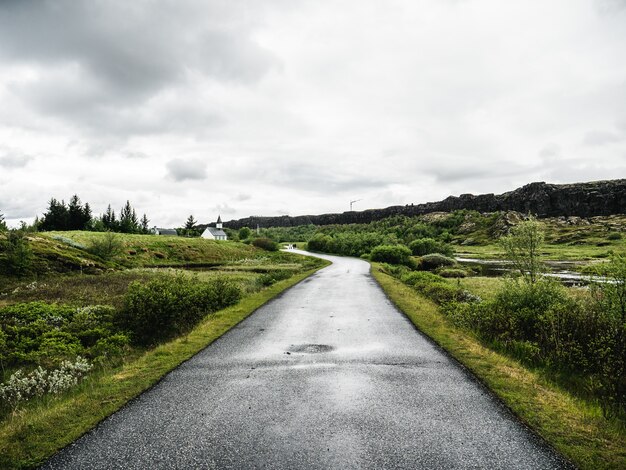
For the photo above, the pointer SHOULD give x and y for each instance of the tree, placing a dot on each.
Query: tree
(128, 219)
(191, 223)
(3, 224)
(56, 218)
(78, 217)
(522, 247)
(17, 255)
(144, 224)
(109, 220)
(244, 233)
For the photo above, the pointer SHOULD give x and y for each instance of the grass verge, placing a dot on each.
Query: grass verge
(574, 427)
(43, 427)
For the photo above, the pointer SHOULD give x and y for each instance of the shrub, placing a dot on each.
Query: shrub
(420, 278)
(394, 254)
(614, 236)
(426, 246)
(271, 277)
(435, 260)
(244, 233)
(452, 273)
(41, 333)
(17, 256)
(266, 244)
(111, 349)
(40, 382)
(107, 247)
(170, 306)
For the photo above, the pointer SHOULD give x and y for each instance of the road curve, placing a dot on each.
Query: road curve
(328, 375)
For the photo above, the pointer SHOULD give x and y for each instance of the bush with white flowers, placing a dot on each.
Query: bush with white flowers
(21, 387)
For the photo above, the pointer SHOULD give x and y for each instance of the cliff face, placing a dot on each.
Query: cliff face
(541, 199)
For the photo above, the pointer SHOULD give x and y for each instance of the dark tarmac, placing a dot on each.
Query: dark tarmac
(328, 375)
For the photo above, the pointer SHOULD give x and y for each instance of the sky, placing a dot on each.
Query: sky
(239, 108)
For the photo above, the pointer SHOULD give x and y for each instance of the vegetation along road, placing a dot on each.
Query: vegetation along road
(328, 375)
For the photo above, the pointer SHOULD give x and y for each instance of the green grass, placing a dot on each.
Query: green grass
(42, 427)
(485, 287)
(574, 427)
(157, 250)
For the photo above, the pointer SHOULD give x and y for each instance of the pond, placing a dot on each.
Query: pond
(564, 271)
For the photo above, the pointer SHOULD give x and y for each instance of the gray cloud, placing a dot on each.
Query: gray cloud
(97, 63)
(14, 161)
(181, 170)
(598, 138)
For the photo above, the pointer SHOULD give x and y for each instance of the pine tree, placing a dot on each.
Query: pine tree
(57, 216)
(191, 223)
(3, 224)
(77, 218)
(109, 220)
(144, 224)
(128, 219)
(87, 218)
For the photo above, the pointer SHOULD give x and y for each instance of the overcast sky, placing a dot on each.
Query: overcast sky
(297, 107)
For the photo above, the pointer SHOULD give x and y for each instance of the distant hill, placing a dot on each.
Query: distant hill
(541, 199)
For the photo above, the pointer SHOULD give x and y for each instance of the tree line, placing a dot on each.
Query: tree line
(76, 216)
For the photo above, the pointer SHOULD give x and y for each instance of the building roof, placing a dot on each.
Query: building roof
(167, 231)
(219, 219)
(216, 232)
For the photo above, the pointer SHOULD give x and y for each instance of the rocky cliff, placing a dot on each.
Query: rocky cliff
(541, 199)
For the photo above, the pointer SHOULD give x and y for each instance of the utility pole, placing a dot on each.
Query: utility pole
(352, 202)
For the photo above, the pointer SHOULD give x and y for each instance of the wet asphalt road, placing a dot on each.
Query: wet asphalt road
(328, 375)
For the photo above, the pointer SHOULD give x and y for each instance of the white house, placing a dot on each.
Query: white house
(215, 233)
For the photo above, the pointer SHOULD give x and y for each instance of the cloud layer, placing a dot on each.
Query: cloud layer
(197, 107)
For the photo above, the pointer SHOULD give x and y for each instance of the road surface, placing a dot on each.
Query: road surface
(328, 375)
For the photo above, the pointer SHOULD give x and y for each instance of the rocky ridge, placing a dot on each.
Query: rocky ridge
(597, 198)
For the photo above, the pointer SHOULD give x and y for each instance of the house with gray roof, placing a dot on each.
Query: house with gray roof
(215, 233)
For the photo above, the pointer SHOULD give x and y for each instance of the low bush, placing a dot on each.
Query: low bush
(393, 254)
(435, 260)
(452, 272)
(274, 276)
(614, 236)
(107, 247)
(426, 246)
(169, 306)
(21, 387)
(46, 334)
(266, 244)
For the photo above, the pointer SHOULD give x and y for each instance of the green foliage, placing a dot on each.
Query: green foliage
(274, 276)
(522, 248)
(394, 254)
(3, 224)
(107, 247)
(266, 244)
(614, 236)
(16, 255)
(60, 216)
(169, 306)
(244, 233)
(425, 246)
(46, 334)
(452, 272)
(434, 261)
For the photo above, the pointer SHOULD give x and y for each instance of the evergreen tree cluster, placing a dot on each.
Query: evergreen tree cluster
(75, 216)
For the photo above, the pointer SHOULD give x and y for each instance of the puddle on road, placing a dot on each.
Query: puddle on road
(310, 348)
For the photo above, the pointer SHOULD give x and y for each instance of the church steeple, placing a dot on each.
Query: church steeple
(219, 222)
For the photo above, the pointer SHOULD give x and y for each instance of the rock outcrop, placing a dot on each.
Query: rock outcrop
(597, 198)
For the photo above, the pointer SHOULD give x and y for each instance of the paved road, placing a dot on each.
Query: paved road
(328, 375)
